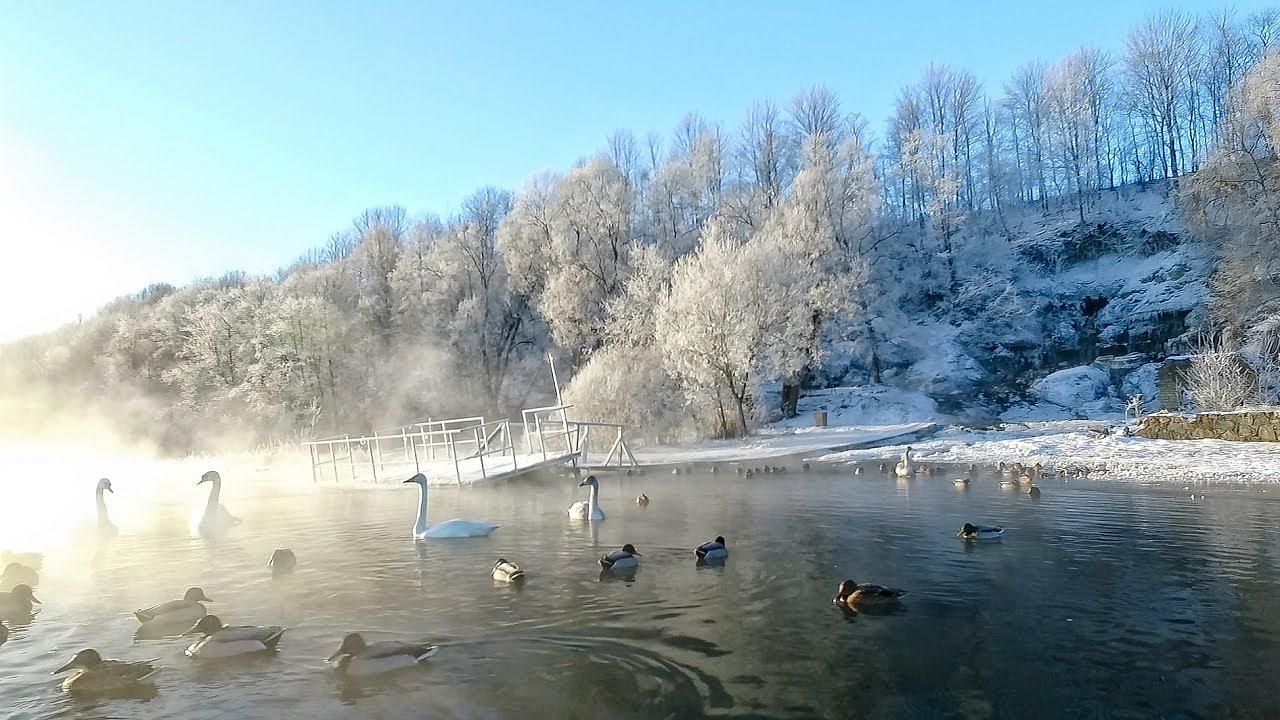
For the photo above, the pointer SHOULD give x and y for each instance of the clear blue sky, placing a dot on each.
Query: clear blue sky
(144, 141)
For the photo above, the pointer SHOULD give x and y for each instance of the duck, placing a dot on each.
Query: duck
(960, 482)
(642, 500)
(712, 550)
(1005, 470)
(355, 657)
(15, 573)
(588, 509)
(105, 527)
(905, 467)
(621, 559)
(216, 518)
(221, 641)
(980, 532)
(884, 467)
(1008, 483)
(506, 571)
(1033, 491)
(857, 470)
(17, 602)
(183, 613)
(1024, 479)
(850, 595)
(455, 528)
(93, 675)
(282, 561)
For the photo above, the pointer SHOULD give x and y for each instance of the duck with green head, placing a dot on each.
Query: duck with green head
(221, 641)
(357, 658)
(17, 603)
(95, 676)
(181, 614)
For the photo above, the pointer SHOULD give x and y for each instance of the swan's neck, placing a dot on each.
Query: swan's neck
(215, 493)
(102, 508)
(421, 525)
(593, 502)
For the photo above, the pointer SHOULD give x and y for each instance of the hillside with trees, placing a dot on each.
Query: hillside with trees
(695, 284)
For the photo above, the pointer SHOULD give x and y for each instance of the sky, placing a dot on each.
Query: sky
(144, 142)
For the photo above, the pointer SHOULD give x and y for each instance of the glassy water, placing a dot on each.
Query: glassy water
(1102, 601)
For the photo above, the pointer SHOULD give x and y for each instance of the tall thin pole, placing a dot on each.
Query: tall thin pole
(564, 415)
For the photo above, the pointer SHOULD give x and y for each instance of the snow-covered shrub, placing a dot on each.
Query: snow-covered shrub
(1218, 378)
(629, 385)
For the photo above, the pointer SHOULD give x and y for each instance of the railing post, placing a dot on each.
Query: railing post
(373, 464)
(537, 425)
(479, 432)
(457, 473)
(311, 453)
(351, 460)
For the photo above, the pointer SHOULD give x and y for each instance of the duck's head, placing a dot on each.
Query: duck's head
(24, 592)
(84, 659)
(720, 539)
(1001, 466)
(629, 548)
(207, 625)
(418, 479)
(211, 476)
(591, 480)
(968, 529)
(847, 588)
(105, 485)
(196, 594)
(352, 644)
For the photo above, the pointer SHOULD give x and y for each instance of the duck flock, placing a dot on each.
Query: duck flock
(211, 639)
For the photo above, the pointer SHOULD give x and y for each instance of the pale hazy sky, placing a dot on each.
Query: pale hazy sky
(144, 141)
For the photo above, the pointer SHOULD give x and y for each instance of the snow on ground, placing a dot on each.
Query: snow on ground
(862, 406)
(780, 443)
(1069, 444)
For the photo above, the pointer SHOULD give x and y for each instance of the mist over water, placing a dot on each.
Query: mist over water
(1126, 601)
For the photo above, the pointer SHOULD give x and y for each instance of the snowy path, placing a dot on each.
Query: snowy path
(1069, 443)
(780, 443)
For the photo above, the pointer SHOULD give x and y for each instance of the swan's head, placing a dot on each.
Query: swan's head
(196, 594)
(352, 644)
(629, 548)
(418, 479)
(84, 659)
(211, 476)
(720, 539)
(207, 625)
(907, 452)
(24, 592)
(591, 480)
(105, 484)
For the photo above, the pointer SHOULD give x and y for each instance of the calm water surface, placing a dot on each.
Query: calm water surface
(1103, 601)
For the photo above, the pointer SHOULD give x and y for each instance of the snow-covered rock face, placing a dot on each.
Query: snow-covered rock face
(1074, 387)
(867, 405)
(1142, 381)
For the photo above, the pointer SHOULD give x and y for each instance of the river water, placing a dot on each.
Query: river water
(1103, 600)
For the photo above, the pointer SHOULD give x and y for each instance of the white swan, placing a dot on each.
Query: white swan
(588, 509)
(215, 518)
(905, 468)
(105, 527)
(455, 528)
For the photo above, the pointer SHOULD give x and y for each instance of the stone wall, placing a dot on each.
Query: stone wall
(1246, 425)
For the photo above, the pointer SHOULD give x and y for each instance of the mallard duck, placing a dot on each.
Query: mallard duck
(1008, 483)
(905, 467)
(17, 602)
(971, 467)
(93, 675)
(15, 573)
(220, 641)
(850, 594)
(182, 613)
(980, 532)
(506, 571)
(712, 550)
(642, 500)
(356, 657)
(960, 482)
(1033, 491)
(282, 561)
(884, 467)
(857, 470)
(622, 559)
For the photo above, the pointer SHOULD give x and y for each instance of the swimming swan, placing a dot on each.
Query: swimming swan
(183, 613)
(105, 527)
(905, 467)
(220, 641)
(620, 560)
(93, 675)
(506, 571)
(713, 550)
(358, 658)
(215, 518)
(588, 509)
(455, 528)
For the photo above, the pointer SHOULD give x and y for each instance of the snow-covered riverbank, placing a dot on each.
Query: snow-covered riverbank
(1114, 457)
